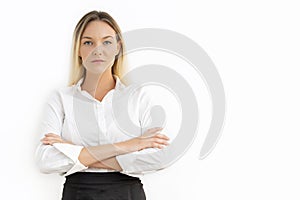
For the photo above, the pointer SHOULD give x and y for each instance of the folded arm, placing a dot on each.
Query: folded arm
(102, 156)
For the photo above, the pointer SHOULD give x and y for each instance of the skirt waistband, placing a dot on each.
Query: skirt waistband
(100, 178)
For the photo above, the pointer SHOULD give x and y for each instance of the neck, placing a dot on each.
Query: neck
(98, 83)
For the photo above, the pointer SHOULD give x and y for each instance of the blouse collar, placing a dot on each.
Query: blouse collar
(118, 85)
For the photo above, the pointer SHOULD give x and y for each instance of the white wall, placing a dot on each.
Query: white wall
(255, 46)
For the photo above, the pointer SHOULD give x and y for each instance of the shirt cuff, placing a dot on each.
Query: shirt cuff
(140, 162)
(76, 168)
(72, 152)
(127, 162)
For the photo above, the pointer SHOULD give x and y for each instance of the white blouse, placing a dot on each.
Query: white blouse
(59, 118)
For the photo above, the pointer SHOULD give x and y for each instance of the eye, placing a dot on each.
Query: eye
(88, 43)
(107, 42)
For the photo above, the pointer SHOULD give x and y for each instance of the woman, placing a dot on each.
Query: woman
(81, 139)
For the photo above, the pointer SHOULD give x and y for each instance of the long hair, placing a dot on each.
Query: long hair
(77, 70)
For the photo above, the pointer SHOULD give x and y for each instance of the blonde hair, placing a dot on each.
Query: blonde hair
(77, 70)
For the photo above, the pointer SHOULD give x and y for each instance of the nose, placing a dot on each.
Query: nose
(97, 51)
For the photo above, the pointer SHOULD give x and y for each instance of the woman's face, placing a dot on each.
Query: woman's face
(98, 47)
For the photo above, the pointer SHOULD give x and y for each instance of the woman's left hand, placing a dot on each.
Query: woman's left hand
(51, 138)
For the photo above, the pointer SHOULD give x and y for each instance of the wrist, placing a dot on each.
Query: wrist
(86, 158)
(127, 146)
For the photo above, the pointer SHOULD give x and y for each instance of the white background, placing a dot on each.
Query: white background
(255, 46)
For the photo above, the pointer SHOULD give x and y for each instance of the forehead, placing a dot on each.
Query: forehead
(98, 29)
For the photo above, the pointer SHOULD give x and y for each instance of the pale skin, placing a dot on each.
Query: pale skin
(98, 48)
(150, 139)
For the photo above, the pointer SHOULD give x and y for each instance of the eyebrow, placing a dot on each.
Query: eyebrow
(87, 37)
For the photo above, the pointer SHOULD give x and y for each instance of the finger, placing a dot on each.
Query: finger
(45, 142)
(51, 141)
(53, 138)
(44, 139)
(151, 132)
(155, 129)
(156, 135)
(51, 134)
(162, 136)
(160, 141)
(158, 146)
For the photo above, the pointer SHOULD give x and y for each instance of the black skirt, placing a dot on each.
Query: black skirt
(102, 186)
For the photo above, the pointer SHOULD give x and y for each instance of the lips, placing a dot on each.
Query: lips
(97, 61)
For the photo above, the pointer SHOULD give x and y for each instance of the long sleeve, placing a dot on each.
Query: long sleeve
(137, 162)
(59, 158)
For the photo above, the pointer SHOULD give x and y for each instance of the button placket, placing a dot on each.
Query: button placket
(101, 122)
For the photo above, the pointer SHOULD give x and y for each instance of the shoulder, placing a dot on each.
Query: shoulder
(58, 95)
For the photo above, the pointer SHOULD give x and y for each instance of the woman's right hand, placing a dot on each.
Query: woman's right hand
(152, 138)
